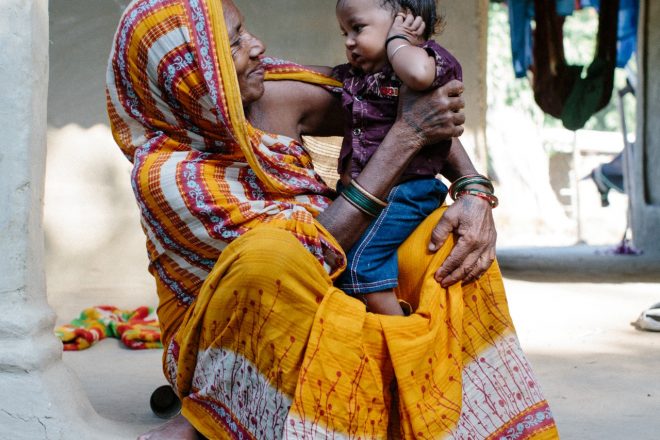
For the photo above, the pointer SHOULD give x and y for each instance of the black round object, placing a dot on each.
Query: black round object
(165, 403)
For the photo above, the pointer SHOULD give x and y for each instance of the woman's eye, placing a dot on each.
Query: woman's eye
(238, 41)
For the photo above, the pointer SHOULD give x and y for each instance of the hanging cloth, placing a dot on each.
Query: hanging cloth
(590, 3)
(560, 89)
(552, 79)
(521, 13)
(565, 7)
(627, 34)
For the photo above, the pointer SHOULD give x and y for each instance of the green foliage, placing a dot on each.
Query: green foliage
(504, 89)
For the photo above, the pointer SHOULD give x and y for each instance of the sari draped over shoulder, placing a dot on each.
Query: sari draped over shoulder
(259, 343)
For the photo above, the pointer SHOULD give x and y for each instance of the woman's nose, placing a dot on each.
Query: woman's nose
(257, 47)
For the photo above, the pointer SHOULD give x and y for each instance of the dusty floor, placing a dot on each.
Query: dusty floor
(599, 374)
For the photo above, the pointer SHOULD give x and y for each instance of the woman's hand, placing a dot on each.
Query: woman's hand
(423, 118)
(471, 220)
(431, 117)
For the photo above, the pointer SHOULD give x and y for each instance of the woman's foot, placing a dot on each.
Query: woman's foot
(176, 429)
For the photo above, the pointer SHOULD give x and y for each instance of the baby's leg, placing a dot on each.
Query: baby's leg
(372, 266)
(383, 303)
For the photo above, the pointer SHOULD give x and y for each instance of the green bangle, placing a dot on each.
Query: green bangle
(473, 179)
(366, 193)
(363, 200)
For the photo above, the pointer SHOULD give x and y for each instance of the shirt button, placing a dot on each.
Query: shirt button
(357, 132)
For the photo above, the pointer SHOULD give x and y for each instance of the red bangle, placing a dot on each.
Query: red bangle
(462, 182)
(490, 198)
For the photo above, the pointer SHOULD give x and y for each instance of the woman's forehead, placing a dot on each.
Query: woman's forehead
(233, 17)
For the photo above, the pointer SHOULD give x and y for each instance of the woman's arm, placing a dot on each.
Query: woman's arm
(294, 108)
(422, 119)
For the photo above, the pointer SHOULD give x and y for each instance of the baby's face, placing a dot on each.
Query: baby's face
(365, 24)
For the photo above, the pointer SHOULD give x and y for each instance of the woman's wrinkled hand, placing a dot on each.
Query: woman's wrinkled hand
(471, 220)
(432, 117)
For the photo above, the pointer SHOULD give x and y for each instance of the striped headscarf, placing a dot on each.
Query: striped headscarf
(202, 174)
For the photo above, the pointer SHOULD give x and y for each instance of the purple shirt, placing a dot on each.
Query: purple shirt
(370, 104)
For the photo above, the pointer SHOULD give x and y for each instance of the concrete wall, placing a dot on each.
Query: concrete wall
(95, 247)
(645, 182)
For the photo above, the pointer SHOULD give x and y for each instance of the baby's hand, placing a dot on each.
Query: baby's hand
(409, 26)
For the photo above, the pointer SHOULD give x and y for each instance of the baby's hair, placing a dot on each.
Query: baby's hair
(427, 9)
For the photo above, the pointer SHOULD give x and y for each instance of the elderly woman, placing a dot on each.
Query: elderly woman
(245, 241)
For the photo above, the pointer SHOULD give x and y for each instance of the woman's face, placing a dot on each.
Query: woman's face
(246, 51)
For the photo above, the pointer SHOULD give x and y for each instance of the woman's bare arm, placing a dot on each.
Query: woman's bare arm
(294, 108)
(422, 119)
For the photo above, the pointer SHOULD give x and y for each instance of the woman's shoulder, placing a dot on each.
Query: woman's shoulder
(295, 107)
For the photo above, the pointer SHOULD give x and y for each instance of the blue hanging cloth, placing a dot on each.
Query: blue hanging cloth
(627, 31)
(521, 13)
(565, 7)
(590, 3)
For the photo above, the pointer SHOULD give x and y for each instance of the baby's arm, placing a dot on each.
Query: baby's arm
(411, 63)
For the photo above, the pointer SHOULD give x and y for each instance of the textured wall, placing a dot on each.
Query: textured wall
(95, 247)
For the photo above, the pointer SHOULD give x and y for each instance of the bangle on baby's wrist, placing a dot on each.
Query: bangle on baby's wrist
(391, 56)
(395, 37)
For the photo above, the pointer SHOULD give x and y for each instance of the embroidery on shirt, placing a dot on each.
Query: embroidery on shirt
(388, 91)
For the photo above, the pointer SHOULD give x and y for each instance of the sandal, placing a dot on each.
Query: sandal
(649, 320)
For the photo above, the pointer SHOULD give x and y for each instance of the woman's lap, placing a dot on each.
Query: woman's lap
(269, 332)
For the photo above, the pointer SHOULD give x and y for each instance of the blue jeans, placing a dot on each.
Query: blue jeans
(372, 264)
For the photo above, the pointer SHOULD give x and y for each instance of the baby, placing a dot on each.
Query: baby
(387, 46)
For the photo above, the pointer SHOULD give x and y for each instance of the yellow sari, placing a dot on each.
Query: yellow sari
(259, 344)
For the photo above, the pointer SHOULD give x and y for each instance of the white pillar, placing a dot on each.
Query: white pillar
(466, 35)
(39, 397)
(644, 185)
